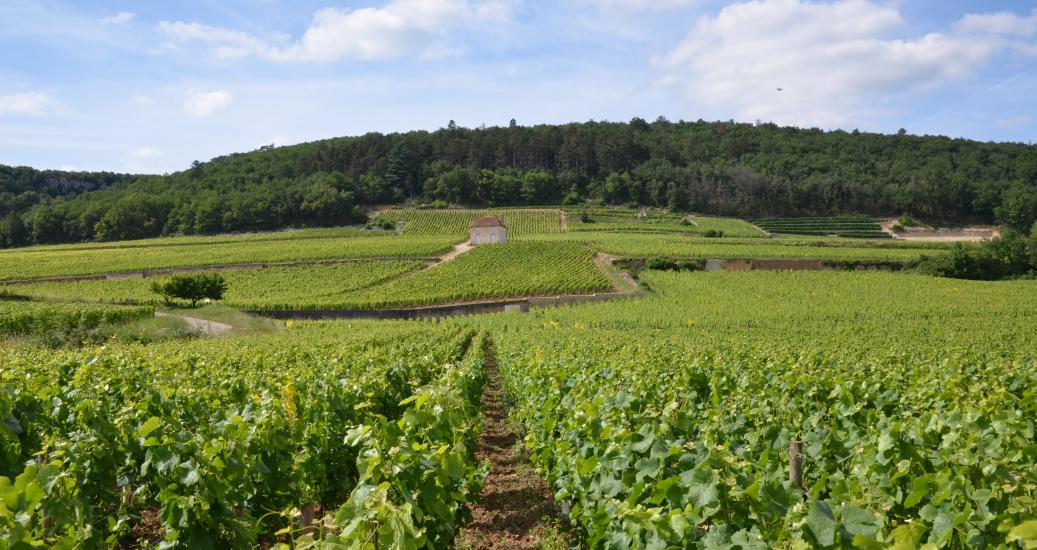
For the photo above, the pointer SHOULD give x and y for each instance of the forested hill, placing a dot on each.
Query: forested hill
(710, 167)
(22, 187)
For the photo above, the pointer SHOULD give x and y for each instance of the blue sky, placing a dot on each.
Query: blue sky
(150, 87)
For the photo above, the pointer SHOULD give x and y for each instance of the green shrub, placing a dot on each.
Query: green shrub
(713, 233)
(669, 264)
(381, 224)
(662, 264)
(908, 221)
(1001, 258)
(193, 287)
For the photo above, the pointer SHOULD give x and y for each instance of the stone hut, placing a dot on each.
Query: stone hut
(487, 230)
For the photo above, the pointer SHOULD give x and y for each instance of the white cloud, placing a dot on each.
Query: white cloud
(67, 168)
(25, 103)
(998, 23)
(644, 4)
(141, 99)
(1012, 122)
(226, 44)
(203, 104)
(833, 61)
(145, 153)
(120, 18)
(399, 28)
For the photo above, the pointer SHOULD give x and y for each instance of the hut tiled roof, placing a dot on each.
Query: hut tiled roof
(487, 221)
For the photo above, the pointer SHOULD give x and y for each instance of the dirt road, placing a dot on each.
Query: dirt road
(204, 325)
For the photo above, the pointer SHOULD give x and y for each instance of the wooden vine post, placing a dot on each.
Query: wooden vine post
(796, 462)
(308, 515)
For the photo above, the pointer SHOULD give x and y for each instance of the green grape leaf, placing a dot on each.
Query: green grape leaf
(149, 426)
(821, 523)
(1025, 533)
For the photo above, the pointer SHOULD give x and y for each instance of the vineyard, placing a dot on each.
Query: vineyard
(508, 270)
(669, 424)
(839, 409)
(858, 227)
(520, 222)
(679, 246)
(21, 317)
(29, 264)
(229, 450)
(192, 240)
(655, 221)
(304, 287)
(494, 271)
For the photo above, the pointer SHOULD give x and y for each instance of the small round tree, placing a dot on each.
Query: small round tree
(192, 287)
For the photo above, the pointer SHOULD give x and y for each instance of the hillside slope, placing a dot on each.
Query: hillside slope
(714, 167)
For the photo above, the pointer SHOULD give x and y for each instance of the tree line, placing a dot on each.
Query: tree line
(721, 168)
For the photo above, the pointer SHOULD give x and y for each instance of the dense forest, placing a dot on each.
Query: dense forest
(720, 168)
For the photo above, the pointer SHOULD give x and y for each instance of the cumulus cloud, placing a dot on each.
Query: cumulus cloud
(399, 28)
(833, 62)
(203, 104)
(141, 99)
(120, 18)
(26, 103)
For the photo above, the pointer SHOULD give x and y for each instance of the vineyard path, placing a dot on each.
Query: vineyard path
(514, 500)
(622, 281)
(209, 327)
(455, 252)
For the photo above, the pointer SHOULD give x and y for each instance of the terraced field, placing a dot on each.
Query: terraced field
(640, 245)
(520, 222)
(497, 271)
(858, 227)
(655, 221)
(191, 240)
(28, 264)
(304, 287)
(490, 271)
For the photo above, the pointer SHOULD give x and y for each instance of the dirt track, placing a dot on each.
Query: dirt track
(455, 252)
(204, 325)
(514, 498)
(968, 234)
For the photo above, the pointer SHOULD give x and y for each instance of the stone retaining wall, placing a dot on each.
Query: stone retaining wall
(779, 264)
(450, 310)
(402, 313)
